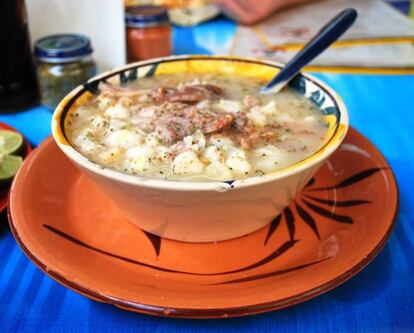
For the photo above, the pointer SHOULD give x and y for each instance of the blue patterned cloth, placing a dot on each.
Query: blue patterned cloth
(380, 298)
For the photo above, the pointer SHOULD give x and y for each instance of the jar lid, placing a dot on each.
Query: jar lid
(145, 16)
(62, 48)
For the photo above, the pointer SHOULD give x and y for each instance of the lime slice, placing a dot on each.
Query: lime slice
(9, 164)
(10, 142)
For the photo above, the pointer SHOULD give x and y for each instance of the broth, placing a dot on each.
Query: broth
(197, 127)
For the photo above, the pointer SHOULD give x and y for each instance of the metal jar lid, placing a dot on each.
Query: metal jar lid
(145, 16)
(62, 48)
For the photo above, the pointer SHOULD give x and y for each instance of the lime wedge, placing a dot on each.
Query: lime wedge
(9, 164)
(10, 142)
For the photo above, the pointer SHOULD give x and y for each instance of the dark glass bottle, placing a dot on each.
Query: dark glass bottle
(18, 85)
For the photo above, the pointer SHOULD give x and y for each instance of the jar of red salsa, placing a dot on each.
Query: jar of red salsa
(148, 32)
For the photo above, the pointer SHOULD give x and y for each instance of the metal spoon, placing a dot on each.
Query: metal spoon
(319, 43)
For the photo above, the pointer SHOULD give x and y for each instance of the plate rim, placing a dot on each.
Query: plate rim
(228, 312)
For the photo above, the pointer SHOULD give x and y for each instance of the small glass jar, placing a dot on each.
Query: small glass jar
(63, 62)
(148, 32)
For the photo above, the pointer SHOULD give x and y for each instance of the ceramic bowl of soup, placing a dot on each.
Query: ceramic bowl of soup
(188, 149)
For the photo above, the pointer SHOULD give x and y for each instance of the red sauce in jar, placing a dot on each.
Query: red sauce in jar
(148, 32)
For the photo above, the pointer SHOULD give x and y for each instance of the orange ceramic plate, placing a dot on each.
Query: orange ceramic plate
(330, 232)
(4, 188)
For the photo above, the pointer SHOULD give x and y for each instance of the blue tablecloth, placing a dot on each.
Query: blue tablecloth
(380, 298)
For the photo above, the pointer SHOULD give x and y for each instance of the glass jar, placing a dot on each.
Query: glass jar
(148, 32)
(63, 62)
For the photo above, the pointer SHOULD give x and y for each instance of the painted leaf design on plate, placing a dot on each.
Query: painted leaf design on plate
(310, 182)
(155, 241)
(335, 203)
(290, 222)
(272, 256)
(308, 219)
(101, 251)
(329, 214)
(272, 227)
(351, 180)
(273, 273)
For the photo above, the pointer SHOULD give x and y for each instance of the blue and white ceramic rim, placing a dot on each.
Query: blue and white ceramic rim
(313, 87)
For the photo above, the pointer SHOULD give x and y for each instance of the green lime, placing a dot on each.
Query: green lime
(9, 164)
(10, 142)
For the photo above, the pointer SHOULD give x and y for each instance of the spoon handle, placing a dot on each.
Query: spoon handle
(321, 41)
